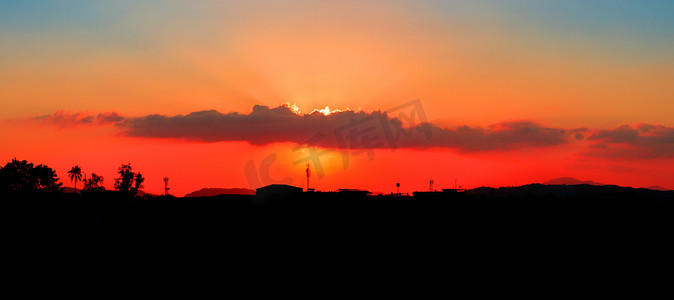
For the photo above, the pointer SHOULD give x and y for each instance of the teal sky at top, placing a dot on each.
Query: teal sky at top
(648, 18)
(65, 35)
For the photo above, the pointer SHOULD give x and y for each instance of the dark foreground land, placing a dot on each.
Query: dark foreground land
(532, 206)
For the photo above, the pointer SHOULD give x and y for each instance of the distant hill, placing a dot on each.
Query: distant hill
(207, 192)
(657, 188)
(574, 181)
(583, 192)
(569, 181)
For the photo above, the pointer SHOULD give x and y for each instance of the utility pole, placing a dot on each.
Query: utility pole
(308, 175)
(166, 188)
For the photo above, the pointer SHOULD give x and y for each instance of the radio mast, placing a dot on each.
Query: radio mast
(308, 175)
(166, 188)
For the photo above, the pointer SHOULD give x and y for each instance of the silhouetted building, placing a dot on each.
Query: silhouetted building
(452, 193)
(353, 193)
(445, 194)
(278, 190)
(428, 195)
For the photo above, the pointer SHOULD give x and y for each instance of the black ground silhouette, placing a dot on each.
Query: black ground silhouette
(533, 206)
(32, 195)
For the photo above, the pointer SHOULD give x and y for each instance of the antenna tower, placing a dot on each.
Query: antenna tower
(308, 175)
(166, 188)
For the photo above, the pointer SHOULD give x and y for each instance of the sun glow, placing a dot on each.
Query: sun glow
(293, 107)
(325, 111)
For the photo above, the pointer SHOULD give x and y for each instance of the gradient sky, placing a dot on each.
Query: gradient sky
(594, 81)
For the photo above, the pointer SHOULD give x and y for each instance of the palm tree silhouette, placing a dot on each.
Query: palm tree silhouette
(75, 175)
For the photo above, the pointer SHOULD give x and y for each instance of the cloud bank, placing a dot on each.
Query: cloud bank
(67, 119)
(377, 130)
(347, 129)
(643, 141)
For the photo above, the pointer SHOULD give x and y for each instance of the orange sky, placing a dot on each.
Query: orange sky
(191, 165)
(564, 65)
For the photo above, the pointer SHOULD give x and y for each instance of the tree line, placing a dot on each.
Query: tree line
(23, 176)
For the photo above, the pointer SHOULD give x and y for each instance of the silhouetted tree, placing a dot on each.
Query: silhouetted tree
(138, 184)
(128, 181)
(46, 179)
(124, 182)
(93, 183)
(22, 176)
(75, 175)
(15, 175)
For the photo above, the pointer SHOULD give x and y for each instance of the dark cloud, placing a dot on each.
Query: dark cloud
(67, 119)
(371, 130)
(353, 130)
(578, 133)
(643, 141)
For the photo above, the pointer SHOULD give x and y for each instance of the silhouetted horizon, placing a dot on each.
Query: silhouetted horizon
(556, 181)
(396, 111)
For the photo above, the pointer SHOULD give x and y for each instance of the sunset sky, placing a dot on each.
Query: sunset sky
(225, 93)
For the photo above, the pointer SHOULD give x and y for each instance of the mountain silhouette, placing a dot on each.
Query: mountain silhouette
(207, 192)
(657, 188)
(569, 181)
